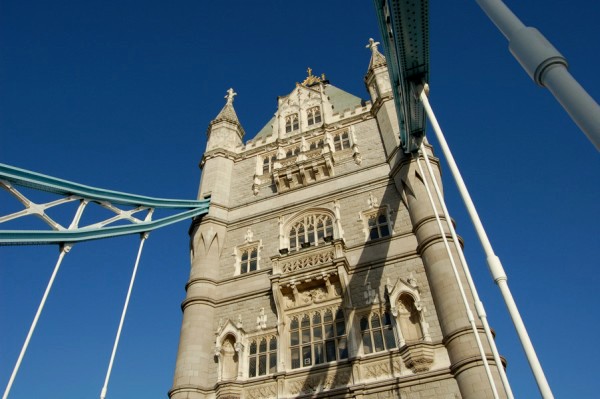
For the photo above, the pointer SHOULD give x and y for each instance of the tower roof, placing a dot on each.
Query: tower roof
(377, 59)
(228, 113)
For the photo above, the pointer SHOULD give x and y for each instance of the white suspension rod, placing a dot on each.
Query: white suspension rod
(64, 249)
(459, 283)
(478, 304)
(144, 236)
(494, 264)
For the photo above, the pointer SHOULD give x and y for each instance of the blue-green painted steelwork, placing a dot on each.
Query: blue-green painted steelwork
(404, 27)
(25, 178)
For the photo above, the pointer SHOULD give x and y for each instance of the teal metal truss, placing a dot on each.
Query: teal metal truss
(404, 27)
(126, 208)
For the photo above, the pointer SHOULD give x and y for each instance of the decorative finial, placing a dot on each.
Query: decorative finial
(372, 45)
(312, 79)
(230, 95)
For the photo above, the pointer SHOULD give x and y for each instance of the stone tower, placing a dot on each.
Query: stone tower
(319, 270)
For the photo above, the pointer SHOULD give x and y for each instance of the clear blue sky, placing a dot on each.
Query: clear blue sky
(118, 95)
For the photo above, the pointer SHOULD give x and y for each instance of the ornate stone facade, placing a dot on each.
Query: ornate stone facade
(316, 272)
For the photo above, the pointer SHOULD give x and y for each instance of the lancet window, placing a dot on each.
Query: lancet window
(247, 257)
(268, 163)
(318, 337)
(291, 123)
(341, 141)
(262, 356)
(314, 115)
(310, 230)
(377, 332)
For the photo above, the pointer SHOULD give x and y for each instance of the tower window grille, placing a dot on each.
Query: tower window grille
(262, 357)
(318, 338)
(378, 225)
(291, 123)
(341, 141)
(314, 115)
(268, 163)
(310, 230)
(377, 332)
(249, 260)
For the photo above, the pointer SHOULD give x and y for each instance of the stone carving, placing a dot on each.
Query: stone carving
(262, 392)
(261, 319)
(313, 295)
(370, 295)
(320, 382)
(372, 201)
(307, 261)
(383, 369)
(249, 235)
(418, 357)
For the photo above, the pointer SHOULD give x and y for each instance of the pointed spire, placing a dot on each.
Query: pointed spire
(377, 59)
(228, 113)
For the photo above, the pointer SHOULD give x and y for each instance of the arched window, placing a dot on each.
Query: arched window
(262, 356)
(291, 123)
(318, 338)
(314, 115)
(377, 332)
(312, 229)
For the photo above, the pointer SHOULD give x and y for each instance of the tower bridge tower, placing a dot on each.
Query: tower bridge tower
(319, 270)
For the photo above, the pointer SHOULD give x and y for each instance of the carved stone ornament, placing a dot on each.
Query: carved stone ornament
(320, 382)
(418, 357)
(261, 319)
(264, 391)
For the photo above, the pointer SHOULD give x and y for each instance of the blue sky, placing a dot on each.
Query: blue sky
(118, 95)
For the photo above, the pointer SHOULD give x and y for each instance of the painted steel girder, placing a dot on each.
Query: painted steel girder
(11, 176)
(404, 27)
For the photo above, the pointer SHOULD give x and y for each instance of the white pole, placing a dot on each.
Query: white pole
(547, 67)
(65, 248)
(116, 344)
(493, 261)
(478, 304)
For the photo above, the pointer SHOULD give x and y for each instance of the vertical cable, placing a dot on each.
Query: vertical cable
(478, 304)
(64, 249)
(494, 264)
(459, 283)
(144, 236)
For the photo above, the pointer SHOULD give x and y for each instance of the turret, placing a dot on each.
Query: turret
(225, 135)
(378, 84)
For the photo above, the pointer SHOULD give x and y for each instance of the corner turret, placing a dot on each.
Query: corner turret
(225, 131)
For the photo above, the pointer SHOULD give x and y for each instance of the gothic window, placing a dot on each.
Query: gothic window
(310, 230)
(262, 357)
(377, 332)
(247, 258)
(378, 225)
(291, 123)
(341, 141)
(314, 115)
(318, 338)
(409, 318)
(268, 163)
